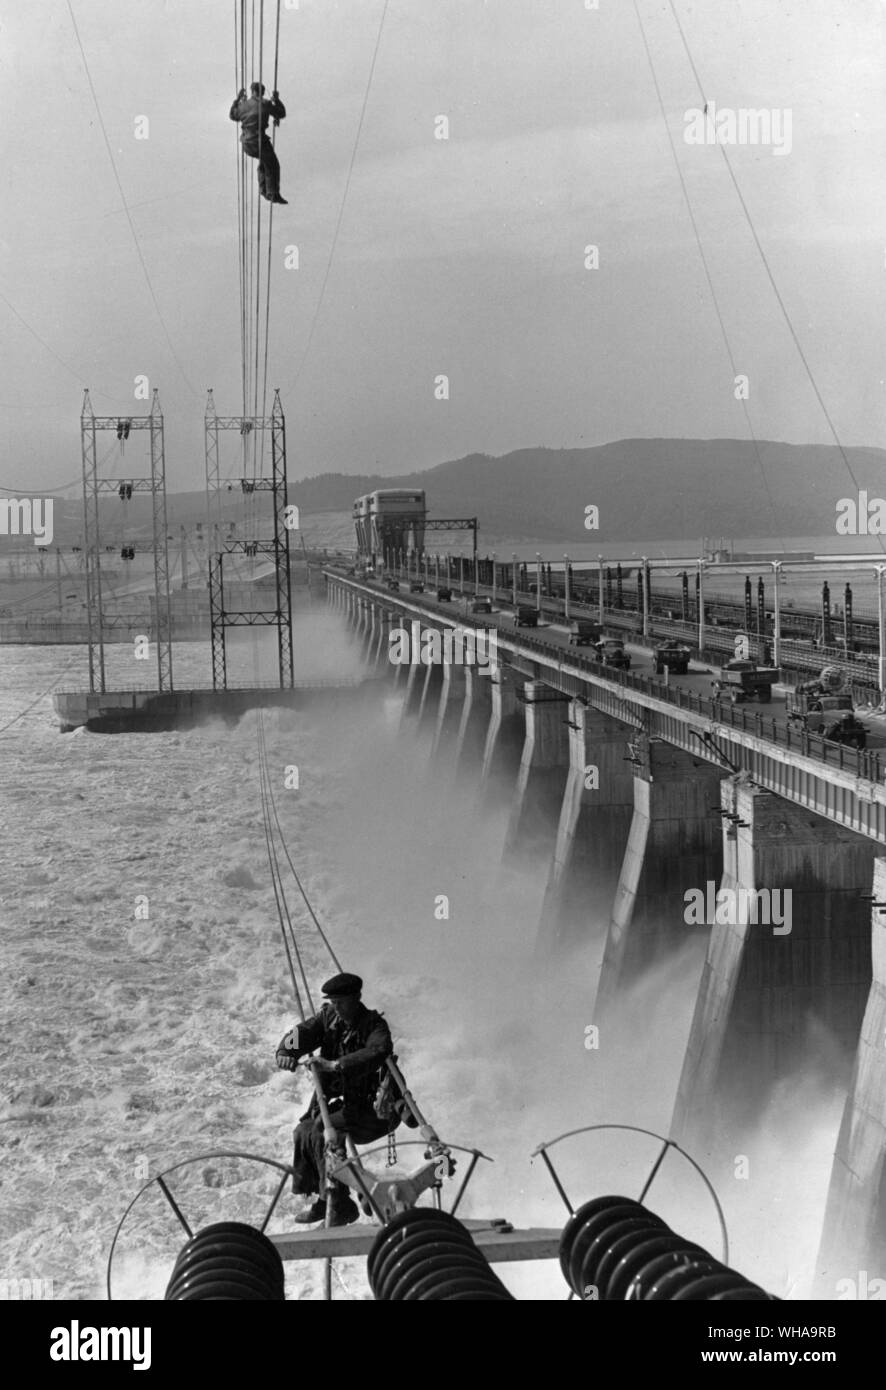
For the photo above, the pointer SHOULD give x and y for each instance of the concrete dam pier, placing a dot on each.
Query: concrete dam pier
(647, 801)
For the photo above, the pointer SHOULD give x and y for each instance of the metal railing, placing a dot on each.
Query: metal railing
(863, 763)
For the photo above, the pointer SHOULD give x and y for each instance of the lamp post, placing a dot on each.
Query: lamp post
(493, 578)
(776, 623)
(514, 579)
(538, 583)
(645, 589)
(600, 589)
(700, 607)
(881, 618)
(566, 587)
(461, 573)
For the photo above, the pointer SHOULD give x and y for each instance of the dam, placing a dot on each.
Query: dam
(639, 791)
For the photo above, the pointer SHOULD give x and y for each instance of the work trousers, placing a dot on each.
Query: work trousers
(308, 1160)
(268, 166)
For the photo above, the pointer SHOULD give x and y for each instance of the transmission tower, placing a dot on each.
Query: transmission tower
(252, 431)
(93, 486)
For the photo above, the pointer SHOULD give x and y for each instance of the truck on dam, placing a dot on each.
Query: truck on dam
(674, 655)
(825, 706)
(741, 680)
(525, 616)
(584, 633)
(831, 716)
(611, 652)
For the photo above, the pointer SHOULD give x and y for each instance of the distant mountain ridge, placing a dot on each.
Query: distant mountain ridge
(667, 488)
(672, 488)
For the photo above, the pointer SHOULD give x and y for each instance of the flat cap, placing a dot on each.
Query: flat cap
(343, 984)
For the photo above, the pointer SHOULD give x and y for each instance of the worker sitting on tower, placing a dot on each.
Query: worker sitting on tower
(354, 1042)
(253, 113)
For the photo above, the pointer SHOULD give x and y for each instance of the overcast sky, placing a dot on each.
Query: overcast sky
(463, 257)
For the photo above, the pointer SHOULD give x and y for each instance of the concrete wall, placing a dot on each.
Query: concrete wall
(773, 1005)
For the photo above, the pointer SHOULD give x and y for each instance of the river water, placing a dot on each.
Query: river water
(131, 1044)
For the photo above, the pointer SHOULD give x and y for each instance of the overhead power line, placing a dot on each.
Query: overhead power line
(768, 269)
(344, 199)
(47, 348)
(135, 239)
(704, 260)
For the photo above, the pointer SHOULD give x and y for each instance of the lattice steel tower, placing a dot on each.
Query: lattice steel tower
(252, 430)
(93, 486)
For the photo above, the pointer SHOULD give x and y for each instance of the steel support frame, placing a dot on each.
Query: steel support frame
(92, 548)
(93, 486)
(462, 523)
(161, 547)
(280, 616)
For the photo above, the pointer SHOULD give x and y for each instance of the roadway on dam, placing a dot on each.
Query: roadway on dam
(699, 678)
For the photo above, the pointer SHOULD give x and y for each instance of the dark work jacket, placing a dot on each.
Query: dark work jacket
(362, 1046)
(253, 114)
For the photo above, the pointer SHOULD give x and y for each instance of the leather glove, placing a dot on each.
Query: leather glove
(285, 1062)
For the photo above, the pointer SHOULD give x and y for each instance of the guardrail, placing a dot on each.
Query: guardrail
(794, 656)
(862, 762)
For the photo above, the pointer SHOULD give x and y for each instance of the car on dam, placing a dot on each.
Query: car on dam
(416, 587)
(444, 595)
(481, 605)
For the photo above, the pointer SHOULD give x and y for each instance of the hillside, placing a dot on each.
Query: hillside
(668, 488)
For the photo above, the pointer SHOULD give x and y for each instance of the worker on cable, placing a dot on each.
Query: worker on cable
(354, 1042)
(253, 113)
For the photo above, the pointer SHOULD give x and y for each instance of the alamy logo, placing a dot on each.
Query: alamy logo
(864, 517)
(456, 646)
(76, 1343)
(715, 125)
(734, 907)
(27, 517)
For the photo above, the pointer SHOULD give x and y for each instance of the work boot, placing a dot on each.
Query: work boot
(277, 199)
(315, 1212)
(343, 1212)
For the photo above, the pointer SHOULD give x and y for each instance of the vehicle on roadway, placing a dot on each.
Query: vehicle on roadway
(675, 655)
(393, 585)
(481, 605)
(741, 680)
(444, 595)
(612, 653)
(831, 716)
(584, 633)
(526, 617)
(416, 587)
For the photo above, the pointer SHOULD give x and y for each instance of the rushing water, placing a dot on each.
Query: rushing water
(133, 1043)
